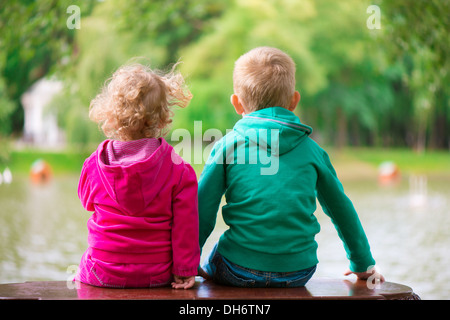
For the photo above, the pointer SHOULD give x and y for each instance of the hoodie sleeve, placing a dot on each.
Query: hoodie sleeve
(84, 188)
(211, 188)
(186, 252)
(340, 209)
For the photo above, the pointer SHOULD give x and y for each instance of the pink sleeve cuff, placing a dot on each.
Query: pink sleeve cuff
(184, 272)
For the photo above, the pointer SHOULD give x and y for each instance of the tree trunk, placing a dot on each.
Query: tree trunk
(341, 138)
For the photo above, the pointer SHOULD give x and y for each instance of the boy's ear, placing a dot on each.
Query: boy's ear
(237, 104)
(294, 101)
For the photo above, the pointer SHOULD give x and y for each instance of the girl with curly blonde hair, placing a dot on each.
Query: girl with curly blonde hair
(136, 103)
(144, 228)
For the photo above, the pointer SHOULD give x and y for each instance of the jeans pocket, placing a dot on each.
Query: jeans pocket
(301, 278)
(224, 275)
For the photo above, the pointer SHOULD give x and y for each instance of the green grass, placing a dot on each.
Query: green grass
(20, 161)
(409, 161)
(429, 162)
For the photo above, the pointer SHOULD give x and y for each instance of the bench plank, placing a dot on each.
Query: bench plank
(207, 290)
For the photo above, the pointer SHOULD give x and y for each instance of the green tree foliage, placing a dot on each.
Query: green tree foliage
(417, 33)
(380, 87)
(337, 74)
(33, 40)
(171, 24)
(247, 24)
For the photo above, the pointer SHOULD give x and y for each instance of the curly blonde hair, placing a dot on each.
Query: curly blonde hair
(136, 102)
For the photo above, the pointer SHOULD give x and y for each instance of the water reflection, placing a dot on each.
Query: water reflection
(408, 233)
(43, 232)
(42, 229)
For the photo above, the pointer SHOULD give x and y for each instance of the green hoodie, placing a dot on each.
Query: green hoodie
(271, 173)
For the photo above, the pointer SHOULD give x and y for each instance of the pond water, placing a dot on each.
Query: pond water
(43, 232)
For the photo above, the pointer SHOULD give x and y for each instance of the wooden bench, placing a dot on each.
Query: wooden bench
(316, 289)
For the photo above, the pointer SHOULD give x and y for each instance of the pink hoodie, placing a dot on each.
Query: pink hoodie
(144, 202)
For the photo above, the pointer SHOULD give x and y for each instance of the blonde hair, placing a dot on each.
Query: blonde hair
(136, 102)
(264, 77)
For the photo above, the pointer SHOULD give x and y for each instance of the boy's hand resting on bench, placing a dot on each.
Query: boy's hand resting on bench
(371, 273)
(183, 282)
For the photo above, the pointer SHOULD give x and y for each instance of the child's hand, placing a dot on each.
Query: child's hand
(183, 282)
(203, 274)
(371, 273)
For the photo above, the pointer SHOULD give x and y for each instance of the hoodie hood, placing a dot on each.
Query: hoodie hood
(276, 129)
(133, 185)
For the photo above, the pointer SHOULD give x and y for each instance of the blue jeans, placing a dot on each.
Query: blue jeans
(225, 272)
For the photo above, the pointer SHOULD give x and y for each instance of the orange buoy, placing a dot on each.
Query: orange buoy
(388, 173)
(41, 172)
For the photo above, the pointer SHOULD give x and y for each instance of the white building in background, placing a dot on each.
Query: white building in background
(41, 124)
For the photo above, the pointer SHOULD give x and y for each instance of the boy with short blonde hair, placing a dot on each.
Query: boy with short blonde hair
(264, 77)
(270, 214)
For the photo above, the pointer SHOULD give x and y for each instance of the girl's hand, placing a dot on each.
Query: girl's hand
(183, 282)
